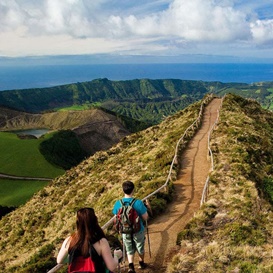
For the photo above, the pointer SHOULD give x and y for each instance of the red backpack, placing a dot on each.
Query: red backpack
(91, 264)
(81, 264)
(127, 220)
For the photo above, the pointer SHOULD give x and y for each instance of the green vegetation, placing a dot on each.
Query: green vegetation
(5, 210)
(16, 192)
(268, 188)
(261, 92)
(139, 95)
(146, 100)
(63, 149)
(84, 106)
(149, 112)
(233, 231)
(48, 217)
(130, 123)
(25, 155)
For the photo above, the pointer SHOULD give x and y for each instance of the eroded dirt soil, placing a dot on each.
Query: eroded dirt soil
(195, 167)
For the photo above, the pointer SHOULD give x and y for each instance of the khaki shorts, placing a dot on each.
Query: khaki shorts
(134, 244)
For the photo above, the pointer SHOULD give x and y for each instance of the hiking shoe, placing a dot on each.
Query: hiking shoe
(131, 268)
(142, 265)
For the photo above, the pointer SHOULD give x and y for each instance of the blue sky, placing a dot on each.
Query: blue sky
(153, 30)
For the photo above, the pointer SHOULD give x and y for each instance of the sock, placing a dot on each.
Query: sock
(131, 266)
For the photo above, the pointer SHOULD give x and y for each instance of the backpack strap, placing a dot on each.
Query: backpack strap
(71, 256)
(132, 202)
(97, 259)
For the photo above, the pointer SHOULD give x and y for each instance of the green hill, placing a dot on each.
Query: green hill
(22, 157)
(144, 100)
(100, 90)
(15, 193)
(30, 234)
(232, 232)
(74, 136)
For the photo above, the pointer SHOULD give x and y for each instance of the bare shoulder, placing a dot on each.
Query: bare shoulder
(101, 245)
(67, 241)
(103, 241)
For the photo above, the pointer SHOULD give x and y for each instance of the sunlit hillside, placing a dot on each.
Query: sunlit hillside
(233, 232)
(31, 234)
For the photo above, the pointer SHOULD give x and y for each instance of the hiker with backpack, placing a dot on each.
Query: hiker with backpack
(130, 214)
(87, 250)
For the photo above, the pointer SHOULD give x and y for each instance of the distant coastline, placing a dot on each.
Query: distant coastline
(30, 76)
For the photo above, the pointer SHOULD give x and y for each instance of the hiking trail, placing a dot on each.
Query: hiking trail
(195, 167)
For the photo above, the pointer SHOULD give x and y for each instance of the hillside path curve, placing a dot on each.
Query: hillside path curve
(9, 176)
(195, 167)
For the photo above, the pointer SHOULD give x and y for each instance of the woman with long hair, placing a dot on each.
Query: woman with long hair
(88, 236)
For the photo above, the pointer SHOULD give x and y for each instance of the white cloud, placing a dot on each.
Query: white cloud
(194, 20)
(262, 31)
(131, 26)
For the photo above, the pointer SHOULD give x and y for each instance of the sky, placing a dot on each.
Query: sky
(177, 30)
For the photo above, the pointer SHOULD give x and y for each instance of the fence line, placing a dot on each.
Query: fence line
(195, 123)
(206, 186)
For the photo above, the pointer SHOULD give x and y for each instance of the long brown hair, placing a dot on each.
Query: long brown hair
(88, 231)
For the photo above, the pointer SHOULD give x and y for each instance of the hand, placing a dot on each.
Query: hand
(118, 253)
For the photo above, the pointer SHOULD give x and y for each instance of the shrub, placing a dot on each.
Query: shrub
(268, 188)
(42, 261)
(63, 149)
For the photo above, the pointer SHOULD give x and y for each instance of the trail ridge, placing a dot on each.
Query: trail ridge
(195, 167)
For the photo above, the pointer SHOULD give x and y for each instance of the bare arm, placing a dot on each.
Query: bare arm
(145, 216)
(63, 253)
(110, 261)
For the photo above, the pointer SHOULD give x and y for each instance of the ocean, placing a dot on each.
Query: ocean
(24, 77)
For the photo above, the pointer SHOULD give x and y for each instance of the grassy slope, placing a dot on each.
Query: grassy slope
(261, 92)
(99, 90)
(233, 232)
(144, 158)
(17, 192)
(25, 155)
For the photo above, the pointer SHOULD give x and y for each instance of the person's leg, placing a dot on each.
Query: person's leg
(130, 258)
(141, 257)
(130, 249)
(131, 263)
(140, 243)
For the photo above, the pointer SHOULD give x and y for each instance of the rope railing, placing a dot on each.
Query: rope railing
(206, 186)
(195, 123)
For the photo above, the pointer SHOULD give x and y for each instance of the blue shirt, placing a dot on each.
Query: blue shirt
(138, 206)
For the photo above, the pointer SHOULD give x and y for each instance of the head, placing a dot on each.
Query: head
(128, 187)
(88, 230)
(86, 221)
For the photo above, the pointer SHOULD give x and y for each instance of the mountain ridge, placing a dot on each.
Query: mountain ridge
(95, 182)
(107, 126)
(145, 100)
(225, 229)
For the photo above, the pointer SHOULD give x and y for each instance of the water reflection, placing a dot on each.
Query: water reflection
(33, 132)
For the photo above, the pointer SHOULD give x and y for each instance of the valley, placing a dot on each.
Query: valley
(220, 229)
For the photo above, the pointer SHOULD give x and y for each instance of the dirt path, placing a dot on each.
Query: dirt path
(9, 176)
(189, 187)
